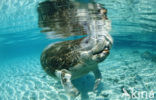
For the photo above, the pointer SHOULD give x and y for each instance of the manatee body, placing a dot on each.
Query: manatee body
(69, 60)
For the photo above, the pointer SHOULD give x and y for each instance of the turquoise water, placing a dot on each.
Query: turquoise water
(132, 61)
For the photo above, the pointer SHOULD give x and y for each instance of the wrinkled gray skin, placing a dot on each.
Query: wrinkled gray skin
(74, 58)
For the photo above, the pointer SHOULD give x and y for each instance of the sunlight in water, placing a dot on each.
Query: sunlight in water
(28, 26)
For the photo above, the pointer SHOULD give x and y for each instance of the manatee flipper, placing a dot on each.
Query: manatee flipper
(65, 78)
(98, 78)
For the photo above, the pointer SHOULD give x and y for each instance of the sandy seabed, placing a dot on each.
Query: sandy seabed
(22, 78)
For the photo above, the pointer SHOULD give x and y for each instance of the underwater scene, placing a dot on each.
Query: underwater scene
(78, 50)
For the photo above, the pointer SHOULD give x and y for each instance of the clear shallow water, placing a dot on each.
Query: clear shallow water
(132, 62)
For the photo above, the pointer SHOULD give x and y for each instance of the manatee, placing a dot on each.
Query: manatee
(71, 59)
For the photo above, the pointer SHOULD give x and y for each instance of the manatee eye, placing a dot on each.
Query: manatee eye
(86, 41)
